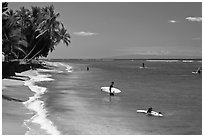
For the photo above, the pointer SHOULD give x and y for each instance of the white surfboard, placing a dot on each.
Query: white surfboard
(113, 90)
(153, 113)
(142, 67)
(195, 72)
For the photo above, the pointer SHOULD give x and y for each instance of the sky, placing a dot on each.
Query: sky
(101, 30)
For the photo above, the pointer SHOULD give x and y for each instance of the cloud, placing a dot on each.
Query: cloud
(197, 38)
(144, 50)
(196, 19)
(82, 33)
(152, 52)
(172, 21)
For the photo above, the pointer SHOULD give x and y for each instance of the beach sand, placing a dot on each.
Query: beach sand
(13, 111)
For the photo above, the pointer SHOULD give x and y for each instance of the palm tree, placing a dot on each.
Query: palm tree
(50, 32)
(31, 33)
(65, 36)
(13, 42)
(4, 6)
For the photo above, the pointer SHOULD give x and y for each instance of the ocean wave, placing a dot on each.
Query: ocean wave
(35, 104)
(187, 61)
(57, 64)
(163, 60)
(68, 68)
(50, 70)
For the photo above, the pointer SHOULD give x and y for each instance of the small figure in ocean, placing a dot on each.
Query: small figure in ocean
(149, 110)
(32, 67)
(87, 68)
(143, 65)
(160, 113)
(111, 86)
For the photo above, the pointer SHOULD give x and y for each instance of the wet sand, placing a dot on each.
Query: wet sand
(13, 111)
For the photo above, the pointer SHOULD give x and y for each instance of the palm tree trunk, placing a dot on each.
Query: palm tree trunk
(30, 52)
(35, 45)
(36, 54)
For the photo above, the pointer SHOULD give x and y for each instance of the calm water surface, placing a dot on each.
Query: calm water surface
(76, 105)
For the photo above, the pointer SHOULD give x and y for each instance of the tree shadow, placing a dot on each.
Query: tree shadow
(19, 77)
(11, 98)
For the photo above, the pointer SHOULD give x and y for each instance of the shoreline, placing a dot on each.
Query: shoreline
(13, 111)
(36, 105)
(22, 108)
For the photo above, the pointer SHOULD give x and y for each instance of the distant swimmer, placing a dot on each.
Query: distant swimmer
(160, 113)
(111, 86)
(143, 66)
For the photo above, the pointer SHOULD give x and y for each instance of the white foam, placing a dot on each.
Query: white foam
(68, 68)
(40, 77)
(41, 116)
(50, 70)
(35, 104)
(57, 64)
(187, 61)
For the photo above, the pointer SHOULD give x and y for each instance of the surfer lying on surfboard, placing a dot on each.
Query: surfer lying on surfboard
(198, 71)
(150, 112)
(111, 86)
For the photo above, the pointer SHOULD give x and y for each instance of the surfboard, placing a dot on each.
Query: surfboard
(113, 90)
(153, 113)
(195, 72)
(142, 67)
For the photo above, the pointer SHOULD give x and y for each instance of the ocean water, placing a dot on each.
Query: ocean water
(70, 101)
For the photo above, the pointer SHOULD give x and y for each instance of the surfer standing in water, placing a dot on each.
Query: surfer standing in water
(111, 86)
(143, 65)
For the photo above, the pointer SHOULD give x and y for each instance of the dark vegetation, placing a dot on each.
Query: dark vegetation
(27, 35)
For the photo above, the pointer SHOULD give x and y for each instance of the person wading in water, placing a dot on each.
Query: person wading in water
(111, 86)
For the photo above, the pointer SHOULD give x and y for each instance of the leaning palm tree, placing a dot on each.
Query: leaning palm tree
(49, 45)
(47, 32)
(65, 36)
